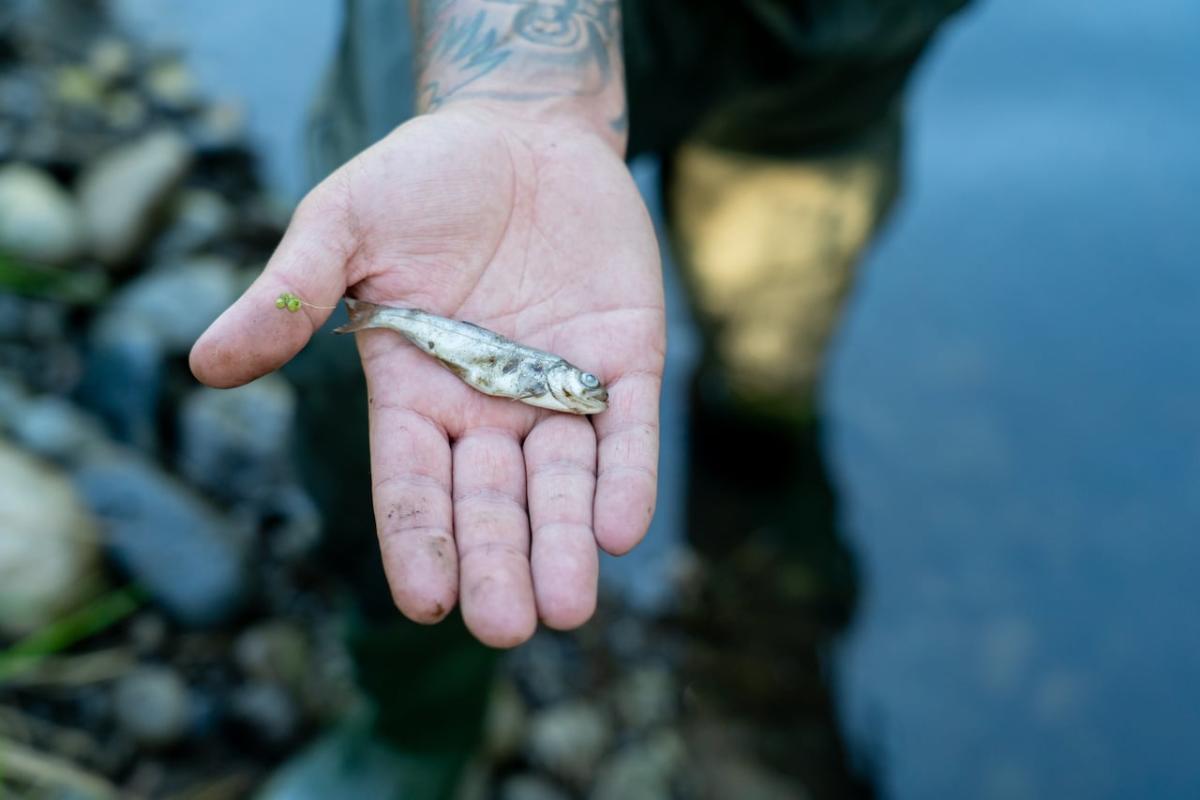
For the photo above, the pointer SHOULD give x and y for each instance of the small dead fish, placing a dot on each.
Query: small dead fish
(487, 361)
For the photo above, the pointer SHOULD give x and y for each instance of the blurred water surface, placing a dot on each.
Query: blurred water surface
(1016, 417)
(1014, 401)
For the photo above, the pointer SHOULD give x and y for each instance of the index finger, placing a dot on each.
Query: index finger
(627, 461)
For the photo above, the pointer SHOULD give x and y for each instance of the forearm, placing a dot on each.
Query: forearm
(536, 59)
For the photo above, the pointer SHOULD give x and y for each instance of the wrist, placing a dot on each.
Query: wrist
(553, 119)
(523, 61)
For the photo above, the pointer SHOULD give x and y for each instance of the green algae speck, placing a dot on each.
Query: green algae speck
(289, 301)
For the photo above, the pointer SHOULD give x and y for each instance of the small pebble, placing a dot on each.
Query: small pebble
(268, 709)
(568, 740)
(152, 705)
(110, 60)
(531, 787)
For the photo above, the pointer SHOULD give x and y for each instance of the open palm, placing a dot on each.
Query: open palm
(534, 231)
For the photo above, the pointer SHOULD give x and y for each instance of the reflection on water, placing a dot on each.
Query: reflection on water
(1017, 417)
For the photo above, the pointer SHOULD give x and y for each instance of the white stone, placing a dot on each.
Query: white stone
(38, 218)
(121, 193)
(49, 547)
(569, 739)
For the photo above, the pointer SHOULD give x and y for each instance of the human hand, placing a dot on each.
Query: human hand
(534, 230)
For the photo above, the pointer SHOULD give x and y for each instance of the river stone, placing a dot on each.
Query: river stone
(173, 543)
(38, 219)
(178, 301)
(52, 427)
(348, 761)
(76, 87)
(171, 85)
(13, 394)
(569, 739)
(22, 95)
(275, 651)
(235, 442)
(220, 126)
(267, 709)
(294, 521)
(122, 191)
(110, 60)
(160, 314)
(646, 696)
(125, 111)
(49, 548)
(198, 218)
(531, 787)
(123, 378)
(506, 722)
(153, 706)
(641, 770)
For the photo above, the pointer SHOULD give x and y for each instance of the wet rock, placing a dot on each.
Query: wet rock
(348, 762)
(721, 763)
(646, 696)
(110, 60)
(268, 710)
(10, 138)
(292, 522)
(734, 777)
(38, 350)
(13, 394)
(21, 95)
(198, 218)
(219, 127)
(121, 192)
(55, 429)
(531, 787)
(160, 314)
(275, 651)
(550, 667)
(77, 87)
(67, 25)
(123, 378)
(642, 770)
(125, 111)
(474, 782)
(171, 85)
(152, 705)
(49, 547)
(629, 638)
(506, 723)
(38, 219)
(147, 633)
(170, 541)
(176, 301)
(568, 740)
(235, 442)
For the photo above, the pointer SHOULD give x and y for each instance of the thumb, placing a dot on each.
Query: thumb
(254, 336)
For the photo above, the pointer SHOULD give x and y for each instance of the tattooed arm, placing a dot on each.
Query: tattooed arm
(537, 59)
(506, 204)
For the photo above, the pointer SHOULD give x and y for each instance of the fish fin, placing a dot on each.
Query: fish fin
(462, 372)
(362, 315)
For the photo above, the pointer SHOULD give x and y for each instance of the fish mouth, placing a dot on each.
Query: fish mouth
(595, 401)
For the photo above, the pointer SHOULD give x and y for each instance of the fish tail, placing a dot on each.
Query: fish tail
(362, 315)
(365, 315)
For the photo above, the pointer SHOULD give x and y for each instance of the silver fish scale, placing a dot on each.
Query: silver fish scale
(485, 360)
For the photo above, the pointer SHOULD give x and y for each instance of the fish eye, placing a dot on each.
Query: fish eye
(589, 380)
